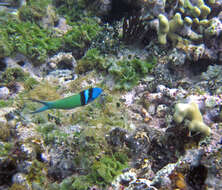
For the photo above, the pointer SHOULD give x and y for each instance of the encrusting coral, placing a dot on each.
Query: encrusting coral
(191, 112)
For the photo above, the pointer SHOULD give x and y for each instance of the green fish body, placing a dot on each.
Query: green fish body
(70, 102)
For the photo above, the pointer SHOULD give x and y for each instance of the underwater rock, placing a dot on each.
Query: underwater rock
(29, 151)
(62, 169)
(177, 58)
(62, 27)
(8, 169)
(214, 29)
(20, 61)
(173, 93)
(116, 137)
(63, 75)
(61, 67)
(19, 178)
(162, 76)
(125, 178)
(50, 18)
(24, 166)
(101, 7)
(163, 177)
(62, 61)
(140, 183)
(213, 79)
(3, 115)
(4, 92)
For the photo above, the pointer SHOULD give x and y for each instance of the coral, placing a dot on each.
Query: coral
(163, 29)
(191, 112)
(169, 28)
(214, 28)
(195, 8)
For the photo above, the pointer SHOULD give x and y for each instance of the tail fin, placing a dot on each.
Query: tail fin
(43, 108)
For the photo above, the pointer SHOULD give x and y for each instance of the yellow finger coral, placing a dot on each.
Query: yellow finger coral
(191, 112)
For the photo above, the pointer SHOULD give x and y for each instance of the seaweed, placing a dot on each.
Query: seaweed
(28, 39)
(92, 60)
(72, 9)
(81, 35)
(5, 148)
(108, 167)
(34, 10)
(127, 73)
(103, 171)
(15, 74)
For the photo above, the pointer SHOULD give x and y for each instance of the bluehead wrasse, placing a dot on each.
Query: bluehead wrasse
(70, 102)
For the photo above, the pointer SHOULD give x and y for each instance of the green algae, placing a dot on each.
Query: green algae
(72, 9)
(52, 134)
(103, 171)
(82, 34)
(6, 48)
(5, 148)
(30, 83)
(44, 91)
(38, 43)
(15, 74)
(92, 60)
(126, 72)
(6, 103)
(28, 39)
(108, 167)
(37, 173)
(18, 187)
(34, 10)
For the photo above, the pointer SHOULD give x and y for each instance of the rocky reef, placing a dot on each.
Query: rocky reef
(157, 124)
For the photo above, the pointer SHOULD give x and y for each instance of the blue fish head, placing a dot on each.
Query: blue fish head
(96, 92)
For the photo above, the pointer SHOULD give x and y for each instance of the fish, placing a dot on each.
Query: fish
(71, 102)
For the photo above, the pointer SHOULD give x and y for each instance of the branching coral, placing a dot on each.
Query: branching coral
(191, 111)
